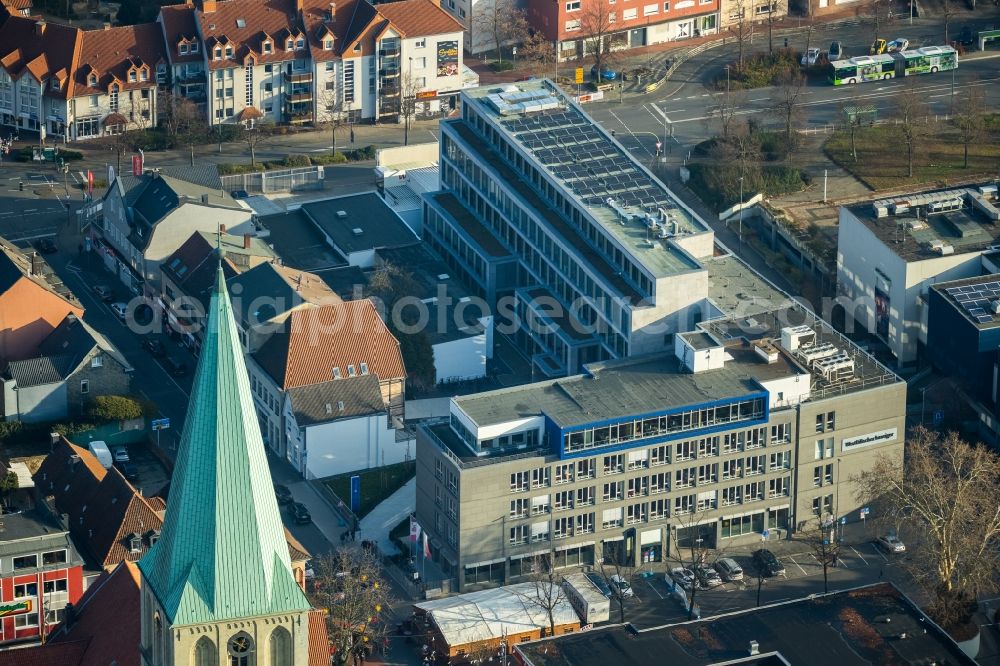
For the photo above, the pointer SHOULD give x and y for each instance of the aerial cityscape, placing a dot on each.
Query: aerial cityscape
(507, 332)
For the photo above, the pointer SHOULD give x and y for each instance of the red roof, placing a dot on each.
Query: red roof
(110, 54)
(319, 643)
(69, 653)
(314, 341)
(245, 25)
(39, 49)
(179, 23)
(414, 18)
(114, 513)
(69, 473)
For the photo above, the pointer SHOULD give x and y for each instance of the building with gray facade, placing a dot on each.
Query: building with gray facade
(541, 208)
(752, 424)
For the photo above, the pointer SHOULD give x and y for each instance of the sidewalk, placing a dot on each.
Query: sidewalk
(377, 524)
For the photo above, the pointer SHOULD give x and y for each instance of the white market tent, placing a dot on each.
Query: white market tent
(492, 614)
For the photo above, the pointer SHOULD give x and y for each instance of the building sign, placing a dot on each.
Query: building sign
(15, 608)
(447, 58)
(880, 437)
(427, 94)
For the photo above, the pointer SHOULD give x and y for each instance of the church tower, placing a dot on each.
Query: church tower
(217, 587)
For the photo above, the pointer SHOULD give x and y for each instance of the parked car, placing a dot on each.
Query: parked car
(175, 366)
(890, 543)
(119, 309)
(154, 345)
(606, 74)
(120, 454)
(104, 292)
(877, 47)
(46, 246)
(683, 577)
(300, 514)
(128, 470)
(767, 563)
(836, 51)
(967, 37)
(282, 493)
(623, 586)
(707, 576)
(728, 569)
(897, 45)
(810, 57)
(601, 584)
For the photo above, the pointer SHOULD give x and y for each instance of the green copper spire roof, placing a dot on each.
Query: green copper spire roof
(222, 552)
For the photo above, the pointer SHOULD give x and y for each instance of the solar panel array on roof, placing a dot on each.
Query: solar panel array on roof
(977, 299)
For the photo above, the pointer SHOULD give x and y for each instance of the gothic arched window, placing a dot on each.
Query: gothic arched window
(281, 647)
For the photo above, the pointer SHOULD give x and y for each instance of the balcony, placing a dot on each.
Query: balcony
(296, 117)
(299, 98)
(388, 88)
(389, 72)
(389, 53)
(306, 77)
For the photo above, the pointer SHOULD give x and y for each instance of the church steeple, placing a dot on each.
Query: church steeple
(222, 554)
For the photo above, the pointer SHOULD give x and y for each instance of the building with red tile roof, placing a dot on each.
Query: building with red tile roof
(17, 7)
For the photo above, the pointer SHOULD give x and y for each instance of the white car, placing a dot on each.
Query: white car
(683, 577)
(891, 544)
(707, 576)
(119, 309)
(810, 57)
(897, 45)
(622, 585)
(729, 569)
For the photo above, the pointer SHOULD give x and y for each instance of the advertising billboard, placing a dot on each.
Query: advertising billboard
(447, 58)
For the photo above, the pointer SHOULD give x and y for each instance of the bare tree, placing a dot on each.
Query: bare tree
(821, 539)
(971, 120)
(349, 586)
(181, 119)
(945, 491)
(546, 593)
(408, 102)
(772, 18)
(596, 25)
(252, 133)
(741, 29)
(502, 20)
(332, 115)
(787, 98)
(694, 556)
(540, 55)
(911, 113)
(729, 106)
(947, 14)
(880, 12)
(617, 573)
(809, 33)
(853, 116)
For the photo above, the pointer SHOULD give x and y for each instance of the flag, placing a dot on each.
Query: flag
(414, 530)
(427, 546)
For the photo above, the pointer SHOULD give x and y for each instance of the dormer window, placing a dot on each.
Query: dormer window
(351, 372)
(328, 44)
(194, 47)
(182, 49)
(54, 84)
(289, 45)
(144, 75)
(153, 537)
(357, 48)
(300, 44)
(267, 47)
(134, 543)
(218, 53)
(131, 76)
(229, 51)
(92, 80)
(364, 368)
(336, 373)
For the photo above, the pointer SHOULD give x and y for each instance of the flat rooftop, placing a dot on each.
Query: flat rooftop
(472, 226)
(856, 628)
(25, 525)
(359, 222)
(595, 169)
(736, 289)
(915, 225)
(975, 298)
(298, 242)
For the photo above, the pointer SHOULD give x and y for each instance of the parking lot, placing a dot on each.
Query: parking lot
(860, 564)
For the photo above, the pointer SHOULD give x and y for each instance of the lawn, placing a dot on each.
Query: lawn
(881, 162)
(376, 484)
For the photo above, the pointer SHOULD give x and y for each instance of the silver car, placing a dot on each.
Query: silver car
(707, 576)
(728, 569)
(891, 544)
(683, 577)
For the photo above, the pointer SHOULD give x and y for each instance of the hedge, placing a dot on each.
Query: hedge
(299, 161)
(113, 408)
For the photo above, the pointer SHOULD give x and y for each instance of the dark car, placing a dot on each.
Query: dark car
(154, 345)
(767, 564)
(966, 37)
(300, 514)
(175, 366)
(104, 292)
(128, 470)
(46, 246)
(282, 493)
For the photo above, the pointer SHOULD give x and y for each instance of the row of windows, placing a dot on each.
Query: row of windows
(48, 558)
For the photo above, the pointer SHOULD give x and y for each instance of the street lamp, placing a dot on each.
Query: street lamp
(406, 108)
(740, 233)
(727, 79)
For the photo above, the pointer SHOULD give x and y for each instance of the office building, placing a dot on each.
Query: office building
(752, 427)
(543, 210)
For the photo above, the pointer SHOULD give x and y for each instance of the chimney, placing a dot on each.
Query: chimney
(204, 198)
(40, 28)
(207, 6)
(754, 648)
(74, 461)
(107, 26)
(36, 264)
(246, 241)
(222, 228)
(333, 11)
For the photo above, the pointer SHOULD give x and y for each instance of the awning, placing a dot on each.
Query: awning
(249, 113)
(115, 119)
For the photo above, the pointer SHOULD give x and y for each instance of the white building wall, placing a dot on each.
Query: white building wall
(351, 444)
(464, 358)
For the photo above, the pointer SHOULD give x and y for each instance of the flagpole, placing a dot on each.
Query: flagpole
(423, 562)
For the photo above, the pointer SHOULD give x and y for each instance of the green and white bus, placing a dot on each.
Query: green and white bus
(862, 68)
(926, 60)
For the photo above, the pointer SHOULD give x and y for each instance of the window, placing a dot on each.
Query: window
(131, 76)
(84, 386)
(539, 505)
(780, 460)
(563, 500)
(267, 47)
(684, 451)
(659, 455)
(572, 25)
(781, 433)
(419, 43)
(637, 486)
(666, 7)
(519, 482)
(289, 45)
(134, 543)
(26, 590)
(183, 49)
(614, 464)
(818, 476)
(732, 469)
(562, 527)
(659, 509)
(684, 478)
(194, 47)
(649, 10)
(683, 504)
(709, 446)
(364, 368)
(113, 98)
(828, 474)
(97, 361)
(540, 477)
(612, 17)
(611, 518)
(638, 459)
(707, 500)
(26, 620)
(635, 513)
(585, 523)
(778, 487)
(708, 474)
(732, 495)
(613, 491)
(300, 44)
(268, 87)
(218, 53)
(754, 465)
(54, 557)
(53, 586)
(586, 469)
(229, 51)
(93, 103)
(539, 532)
(573, 6)
(25, 562)
(241, 649)
(659, 483)
(630, 14)
(349, 82)
(352, 371)
(831, 420)
(753, 492)
(564, 473)
(585, 496)
(327, 44)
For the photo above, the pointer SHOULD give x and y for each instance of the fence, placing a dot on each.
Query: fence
(283, 180)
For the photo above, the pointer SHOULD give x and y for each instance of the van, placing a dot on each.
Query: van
(102, 453)
(175, 366)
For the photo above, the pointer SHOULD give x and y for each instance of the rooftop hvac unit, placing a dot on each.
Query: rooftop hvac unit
(995, 307)
(793, 337)
(900, 208)
(935, 244)
(816, 352)
(881, 210)
(989, 191)
(944, 204)
(623, 215)
(947, 249)
(835, 368)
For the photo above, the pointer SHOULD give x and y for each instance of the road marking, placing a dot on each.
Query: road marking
(947, 94)
(860, 555)
(30, 210)
(9, 212)
(707, 95)
(880, 553)
(677, 99)
(693, 97)
(797, 564)
(654, 589)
